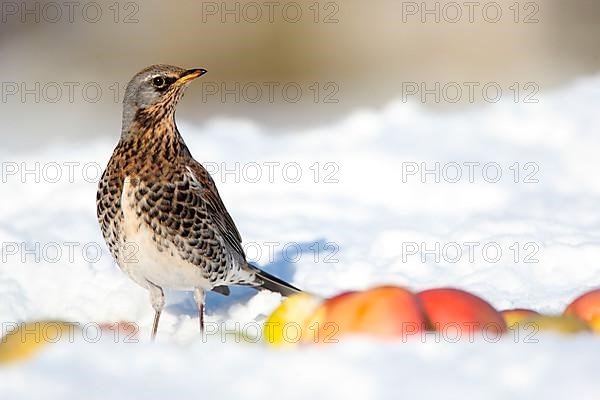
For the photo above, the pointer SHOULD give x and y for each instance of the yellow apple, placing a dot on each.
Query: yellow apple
(565, 324)
(517, 315)
(28, 338)
(288, 323)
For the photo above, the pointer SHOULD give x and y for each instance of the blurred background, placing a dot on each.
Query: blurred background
(285, 65)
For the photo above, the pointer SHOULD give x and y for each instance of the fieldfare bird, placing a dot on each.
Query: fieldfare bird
(159, 209)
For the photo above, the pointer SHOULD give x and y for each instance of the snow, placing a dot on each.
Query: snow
(359, 218)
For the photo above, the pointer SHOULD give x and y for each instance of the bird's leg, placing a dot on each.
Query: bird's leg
(199, 297)
(155, 324)
(157, 298)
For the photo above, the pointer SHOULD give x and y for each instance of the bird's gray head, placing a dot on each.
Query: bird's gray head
(152, 93)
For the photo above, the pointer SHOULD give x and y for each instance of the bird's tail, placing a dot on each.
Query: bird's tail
(273, 283)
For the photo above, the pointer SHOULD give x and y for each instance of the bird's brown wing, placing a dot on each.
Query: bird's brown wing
(215, 206)
(185, 213)
(228, 231)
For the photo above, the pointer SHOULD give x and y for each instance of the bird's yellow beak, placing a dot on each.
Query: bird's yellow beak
(191, 74)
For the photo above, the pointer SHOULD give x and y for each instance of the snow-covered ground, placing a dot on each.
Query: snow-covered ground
(360, 214)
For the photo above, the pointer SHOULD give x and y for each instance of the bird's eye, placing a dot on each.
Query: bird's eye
(158, 81)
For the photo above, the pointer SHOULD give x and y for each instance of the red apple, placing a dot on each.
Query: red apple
(122, 329)
(385, 312)
(587, 308)
(458, 311)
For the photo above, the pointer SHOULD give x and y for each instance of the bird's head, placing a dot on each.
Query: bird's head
(153, 93)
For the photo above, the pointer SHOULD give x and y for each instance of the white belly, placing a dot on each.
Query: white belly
(143, 261)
